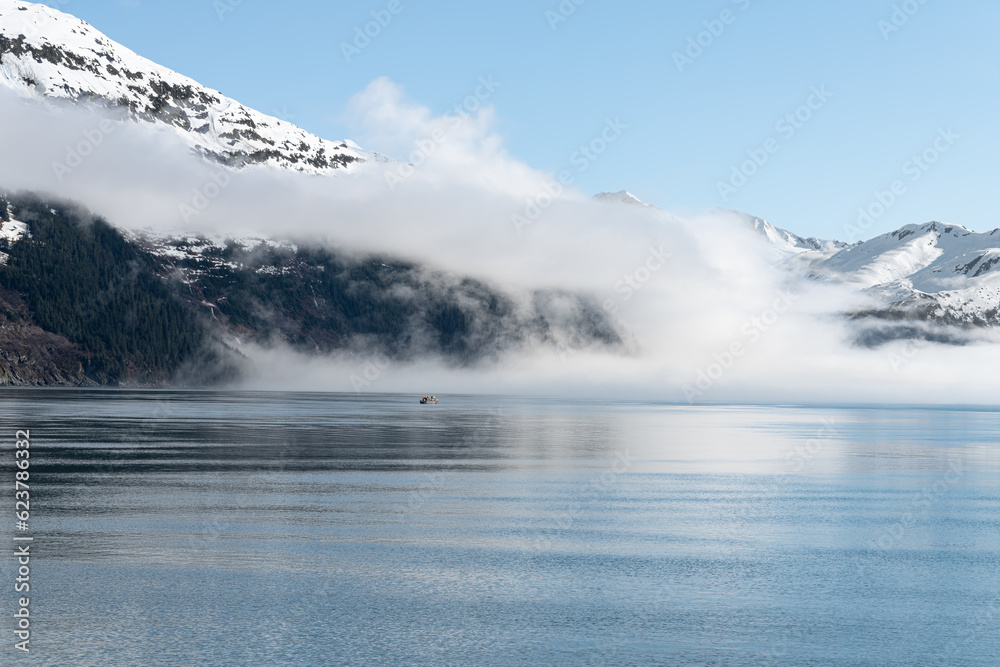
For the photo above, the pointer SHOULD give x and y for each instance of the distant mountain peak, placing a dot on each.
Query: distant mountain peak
(49, 56)
(780, 238)
(620, 197)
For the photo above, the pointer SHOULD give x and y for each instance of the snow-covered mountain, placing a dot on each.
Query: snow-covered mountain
(781, 239)
(49, 56)
(934, 271)
(928, 274)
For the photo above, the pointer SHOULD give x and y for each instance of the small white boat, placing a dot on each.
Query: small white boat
(428, 400)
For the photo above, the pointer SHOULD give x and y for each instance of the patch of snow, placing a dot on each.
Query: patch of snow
(14, 231)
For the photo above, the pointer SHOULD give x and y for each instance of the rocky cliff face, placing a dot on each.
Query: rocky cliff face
(33, 357)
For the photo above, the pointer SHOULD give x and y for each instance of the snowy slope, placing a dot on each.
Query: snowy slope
(933, 257)
(929, 273)
(781, 238)
(11, 230)
(48, 55)
(796, 253)
(948, 271)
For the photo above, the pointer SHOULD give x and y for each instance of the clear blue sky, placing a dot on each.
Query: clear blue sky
(686, 129)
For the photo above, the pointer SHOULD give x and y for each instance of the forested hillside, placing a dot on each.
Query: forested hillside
(173, 309)
(81, 280)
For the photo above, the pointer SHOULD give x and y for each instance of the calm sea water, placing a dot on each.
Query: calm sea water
(249, 529)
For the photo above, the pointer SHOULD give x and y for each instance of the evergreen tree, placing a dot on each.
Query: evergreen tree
(83, 280)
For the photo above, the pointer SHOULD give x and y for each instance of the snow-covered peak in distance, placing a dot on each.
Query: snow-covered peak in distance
(620, 197)
(931, 273)
(51, 56)
(778, 237)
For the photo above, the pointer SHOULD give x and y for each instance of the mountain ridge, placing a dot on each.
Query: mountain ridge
(47, 55)
(267, 291)
(926, 273)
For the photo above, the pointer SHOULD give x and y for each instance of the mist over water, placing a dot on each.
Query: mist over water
(707, 313)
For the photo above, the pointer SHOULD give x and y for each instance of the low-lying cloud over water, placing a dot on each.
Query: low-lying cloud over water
(707, 312)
